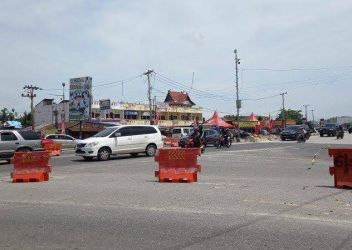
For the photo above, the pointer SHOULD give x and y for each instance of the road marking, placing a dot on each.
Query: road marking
(114, 206)
(297, 217)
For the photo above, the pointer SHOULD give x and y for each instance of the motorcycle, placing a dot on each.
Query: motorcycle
(190, 143)
(224, 141)
(340, 134)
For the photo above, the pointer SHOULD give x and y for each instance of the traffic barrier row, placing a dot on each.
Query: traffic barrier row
(178, 164)
(342, 169)
(171, 142)
(31, 166)
(53, 149)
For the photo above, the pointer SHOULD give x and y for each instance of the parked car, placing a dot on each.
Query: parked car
(181, 132)
(329, 129)
(66, 141)
(12, 141)
(293, 132)
(124, 139)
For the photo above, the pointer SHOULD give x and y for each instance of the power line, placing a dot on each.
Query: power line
(297, 69)
(102, 84)
(283, 107)
(261, 98)
(266, 85)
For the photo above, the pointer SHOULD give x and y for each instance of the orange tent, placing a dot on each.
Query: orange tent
(216, 120)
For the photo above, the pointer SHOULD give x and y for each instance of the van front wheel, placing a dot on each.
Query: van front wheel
(150, 150)
(103, 154)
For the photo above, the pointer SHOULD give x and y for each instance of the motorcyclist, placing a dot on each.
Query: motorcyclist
(196, 136)
(226, 136)
(340, 132)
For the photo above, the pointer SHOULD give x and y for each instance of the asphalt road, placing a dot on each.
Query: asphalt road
(251, 196)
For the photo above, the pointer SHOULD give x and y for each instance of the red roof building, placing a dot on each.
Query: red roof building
(174, 98)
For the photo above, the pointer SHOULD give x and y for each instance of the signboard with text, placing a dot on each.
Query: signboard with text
(80, 98)
(105, 104)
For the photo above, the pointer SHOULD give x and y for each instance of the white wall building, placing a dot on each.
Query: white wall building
(48, 112)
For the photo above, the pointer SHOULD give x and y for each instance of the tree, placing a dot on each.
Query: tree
(290, 114)
(6, 115)
(26, 119)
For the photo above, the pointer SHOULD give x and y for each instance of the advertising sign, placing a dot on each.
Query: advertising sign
(105, 104)
(80, 98)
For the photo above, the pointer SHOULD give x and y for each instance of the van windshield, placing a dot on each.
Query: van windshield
(105, 132)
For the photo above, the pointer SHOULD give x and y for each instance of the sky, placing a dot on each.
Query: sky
(300, 47)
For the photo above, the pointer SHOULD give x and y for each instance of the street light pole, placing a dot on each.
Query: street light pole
(238, 102)
(305, 108)
(312, 110)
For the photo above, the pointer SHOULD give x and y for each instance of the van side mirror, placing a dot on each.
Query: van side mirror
(117, 134)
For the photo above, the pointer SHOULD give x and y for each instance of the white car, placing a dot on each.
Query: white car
(124, 139)
(181, 132)
(66, 141)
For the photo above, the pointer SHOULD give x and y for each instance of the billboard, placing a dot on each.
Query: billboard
(80, 98)
(104, 104)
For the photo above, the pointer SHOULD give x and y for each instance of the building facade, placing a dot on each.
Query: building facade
(47, 112)
(176, 110)
(340, 120)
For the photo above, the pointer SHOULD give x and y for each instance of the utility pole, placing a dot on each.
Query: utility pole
(283, 107)
(148, 73)
(238, 101)
(29, 89)
(63, 118)
(305, 109)
(122, 90)
(312, 110)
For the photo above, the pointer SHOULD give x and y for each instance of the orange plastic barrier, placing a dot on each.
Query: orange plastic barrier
(177, 164)
(171, 142)
(53, 149)
(31, 166)
(342, 169)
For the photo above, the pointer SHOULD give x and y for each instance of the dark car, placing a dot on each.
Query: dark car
(293, 132)
(210, 137)
(329, 129)
(239, 133)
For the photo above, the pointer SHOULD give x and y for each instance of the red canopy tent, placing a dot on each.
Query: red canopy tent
(252, 118)
(216, 120)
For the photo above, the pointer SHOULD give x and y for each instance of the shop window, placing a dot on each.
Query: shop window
(173, 117)
(131, 117)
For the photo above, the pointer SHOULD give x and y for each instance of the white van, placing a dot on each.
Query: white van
(124, 139)
(180, 132)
